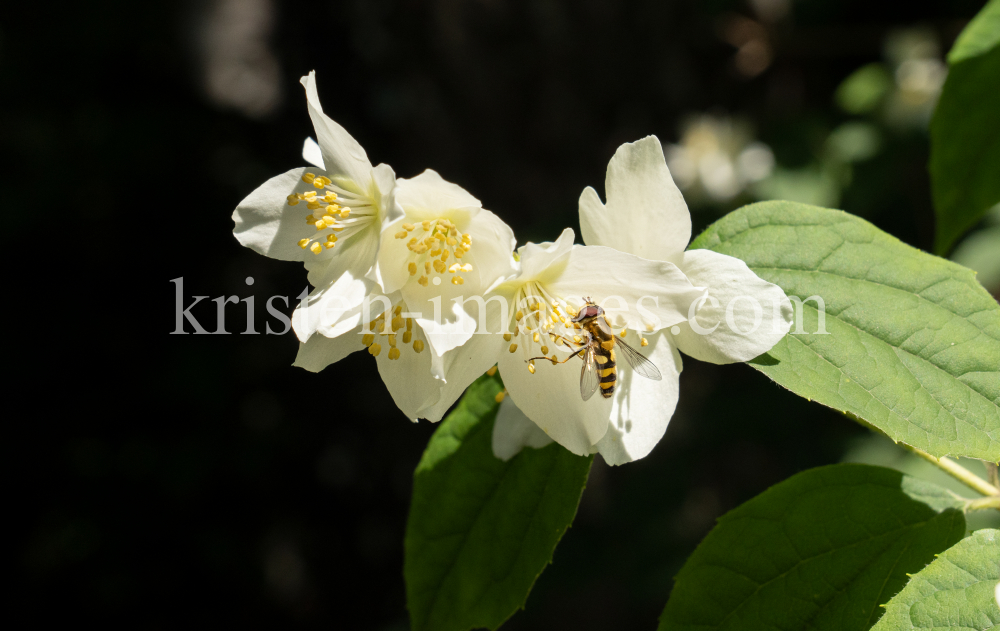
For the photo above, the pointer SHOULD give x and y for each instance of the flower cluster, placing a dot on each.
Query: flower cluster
(419, 274)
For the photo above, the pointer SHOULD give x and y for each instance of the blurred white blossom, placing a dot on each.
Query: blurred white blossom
(717, 158)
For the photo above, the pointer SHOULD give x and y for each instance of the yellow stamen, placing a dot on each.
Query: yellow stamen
(375, 349)
(643, 342)
(304, 243)
(418, 345)
(458, 280)
(545, 350)
(393, 353)
(422, 281)
(292, 200)
(506, 337)
(412, 267)
(531, 367)
(513, 347)
(407, 336)
(308, 177)
(367, 339)
(492, 370)
(500, 396)
(316, 248)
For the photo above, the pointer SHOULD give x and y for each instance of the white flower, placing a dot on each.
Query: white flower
(646, 216)
(329, 218)
(554, 282)
(444, 246)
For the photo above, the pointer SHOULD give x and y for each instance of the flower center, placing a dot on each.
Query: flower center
(337, 213)
(378, 326)
(437, 241)
(544, 322)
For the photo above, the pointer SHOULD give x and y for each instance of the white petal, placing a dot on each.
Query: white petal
(346, 161)
(758, 310)
(409, 380)
(266, 223)
(335, 308)
(513, 431)
(637, 291)
(642, 407)
(491, 255)
(432, 194)
(551, 398)
(311, 153)
(464, 365)
(541, 258)
(321, 351)
(646, 214)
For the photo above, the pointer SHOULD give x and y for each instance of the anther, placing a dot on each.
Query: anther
(531, 367)
(500, 396)
(308, 177)
(328, 220)
(422, 281)
(329, 244)
(519, 315)
(534, 338)
(458, 280)
(316, 248)
(506, 337)
(392, 340)
(407, 336)
(622, 334)
(292, 200)
(304, 243)
(408, 227)
(402, 234)
(513, 347)
(345, 212)
(375, 349)
(367, 339)
(418, 345)
(412, 267)
(545, 350)
(492, 370)
(643, 342)
(393, 353)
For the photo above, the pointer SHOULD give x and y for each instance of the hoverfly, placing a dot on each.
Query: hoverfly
(598, 354)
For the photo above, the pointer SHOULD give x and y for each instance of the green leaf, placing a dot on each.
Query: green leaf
(821, 550)
(979, 36)
(956, 591)
(482, 530)
(965, 130)
(913, 341)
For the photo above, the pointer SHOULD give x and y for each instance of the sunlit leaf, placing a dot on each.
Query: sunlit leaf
(482, 530)
(913, 341)
(821, 550)
(956, 591)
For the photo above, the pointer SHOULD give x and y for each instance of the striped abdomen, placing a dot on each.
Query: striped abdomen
(604, 354)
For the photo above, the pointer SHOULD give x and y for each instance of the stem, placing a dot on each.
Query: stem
(959, 472)
(983, 502)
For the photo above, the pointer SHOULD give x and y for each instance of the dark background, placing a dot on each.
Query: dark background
(160, 479)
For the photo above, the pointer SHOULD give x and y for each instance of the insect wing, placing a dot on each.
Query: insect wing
(588, 375)
(638, 362)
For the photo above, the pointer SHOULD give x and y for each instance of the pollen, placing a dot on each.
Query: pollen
(316, 248)
(578, 339)
(423, 281)
(407, 336)
(643, 342)
(292, 199)
(375, 349)
(513, 348)
(458, 280)
(519, 315)
(492, 370)
(412, 267)
(500, 396)
(531, 366)
(622, 334)
(545, 350)
(393, 353)
(304, 243)
(418, 345)
(368, 339)
(506, 337)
